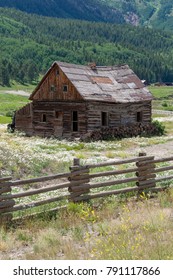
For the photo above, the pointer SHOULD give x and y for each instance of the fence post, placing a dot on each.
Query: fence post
(79, 180)
(5, 204)
(145, 173)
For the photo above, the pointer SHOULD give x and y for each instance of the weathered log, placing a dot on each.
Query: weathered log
(79, 193)
(78, 182)
(80, 188)
(148, 186)
(78, 172)
(141, 173)
(144, 164)
(109, 173)
(145, 183)
(111, 183)
(34, 204)
(5, 190)
(36, 180)
(79, 177)
(78, 168)
(6, 204)
(107, 193)
(162, 160)
(144, 178)
(146, 167)
(119, 162)
(33, 192)
(5, 179)
(164, 178)
(166, 168)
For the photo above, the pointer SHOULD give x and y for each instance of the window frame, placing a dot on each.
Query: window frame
(52, 88)
(65, 88)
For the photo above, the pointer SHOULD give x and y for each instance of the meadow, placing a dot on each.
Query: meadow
(116, 227)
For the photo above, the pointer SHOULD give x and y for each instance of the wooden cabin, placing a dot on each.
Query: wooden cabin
(72, 100)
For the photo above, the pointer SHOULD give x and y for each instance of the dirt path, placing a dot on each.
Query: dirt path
(16, 92)
(157, 150)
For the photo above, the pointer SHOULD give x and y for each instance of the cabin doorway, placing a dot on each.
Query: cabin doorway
(58, 124)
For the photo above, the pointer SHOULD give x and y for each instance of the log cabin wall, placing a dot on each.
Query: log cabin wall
(24, 119)
(56, 119)
(117, 114)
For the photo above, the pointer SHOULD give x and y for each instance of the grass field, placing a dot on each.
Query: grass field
(111, 229)
(8, 104)
(16, 86)
(163, 97)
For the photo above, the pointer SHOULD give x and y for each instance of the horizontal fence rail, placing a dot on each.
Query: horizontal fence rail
(81, 183)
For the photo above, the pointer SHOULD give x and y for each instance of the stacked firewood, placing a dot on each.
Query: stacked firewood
(133, 130)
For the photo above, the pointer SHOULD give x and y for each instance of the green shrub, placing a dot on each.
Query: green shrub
(159, 128)
(165, 104)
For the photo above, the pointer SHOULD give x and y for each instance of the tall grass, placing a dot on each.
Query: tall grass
(105, 229)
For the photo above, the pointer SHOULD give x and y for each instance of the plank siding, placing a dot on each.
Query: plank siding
(118, 114)
(24, 119)
(52, 87)
(50, 126)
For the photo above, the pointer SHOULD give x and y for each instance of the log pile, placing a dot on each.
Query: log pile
(133, 130)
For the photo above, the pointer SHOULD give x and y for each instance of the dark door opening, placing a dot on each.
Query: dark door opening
(104, 118)
(75, 121)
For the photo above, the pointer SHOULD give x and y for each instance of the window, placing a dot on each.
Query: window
(44, 118)
(57, 72)
(65, 88)
(58, 114)
(104, 118)
(74, 121)
(52, 88)
(139, 116)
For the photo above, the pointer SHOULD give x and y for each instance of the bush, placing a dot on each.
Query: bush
(159, 128)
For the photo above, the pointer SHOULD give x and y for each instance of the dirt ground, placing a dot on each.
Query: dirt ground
(157, 150)
(17, 92)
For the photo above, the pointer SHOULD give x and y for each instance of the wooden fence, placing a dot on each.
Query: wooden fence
(81, 184)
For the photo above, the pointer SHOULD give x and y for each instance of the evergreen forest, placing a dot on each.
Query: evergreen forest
(30, 44)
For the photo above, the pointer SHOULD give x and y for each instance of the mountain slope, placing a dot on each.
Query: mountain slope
(153, 13)
(30, 43)
(92, 10)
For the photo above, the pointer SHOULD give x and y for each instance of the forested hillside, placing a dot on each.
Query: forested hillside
(30, 43)
(153, 13)
(92, 10)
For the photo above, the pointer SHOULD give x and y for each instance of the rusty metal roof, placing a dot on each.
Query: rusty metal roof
(117, 84)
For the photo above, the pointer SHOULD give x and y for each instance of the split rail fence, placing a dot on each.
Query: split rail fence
(81, 184)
